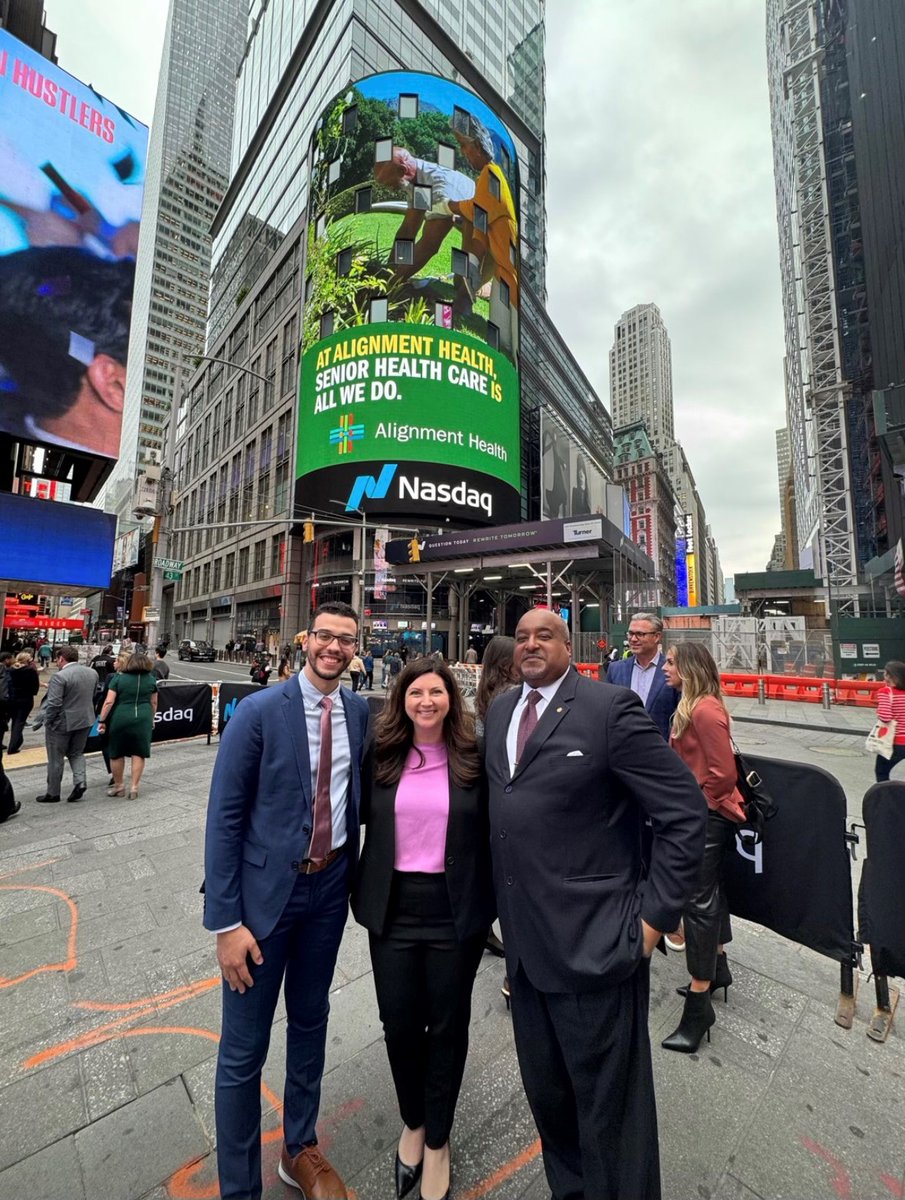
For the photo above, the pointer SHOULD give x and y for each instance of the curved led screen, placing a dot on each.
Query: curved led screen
(409, 389)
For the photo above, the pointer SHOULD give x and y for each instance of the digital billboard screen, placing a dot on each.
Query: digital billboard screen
(571, 485)
(72, 170)
(409, 387)
(61, 544)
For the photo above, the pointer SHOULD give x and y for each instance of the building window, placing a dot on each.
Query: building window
(493, 185)
(243, 566)
(333, 170)
(379, 310)
(320, 227)
(459, 262)
(350, 119)
(422, 198)
(443, 315)
(344, 261)
(504, 292)
(363, 200)
(480, 218)
(383, 150)
(512, 253)
(493, 335)
(326, 324)
(258, 568)
(408, 107)
(403, 252)
(229, 575)
(460, 120)
(446, 155)
(276, 555)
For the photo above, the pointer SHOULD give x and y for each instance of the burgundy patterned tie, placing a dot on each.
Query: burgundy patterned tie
(322, 824)
(527, 724)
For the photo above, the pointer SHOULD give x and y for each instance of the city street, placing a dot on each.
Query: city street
(109, 1012)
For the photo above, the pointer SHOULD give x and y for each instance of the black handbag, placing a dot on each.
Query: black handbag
(759, 806)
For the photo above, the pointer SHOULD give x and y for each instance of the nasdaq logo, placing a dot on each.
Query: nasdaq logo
(229, 709)
(367, 487)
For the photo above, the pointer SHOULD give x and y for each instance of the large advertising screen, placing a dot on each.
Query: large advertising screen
(72, 170)
(409, 390)
(571, 485)
(61, 544)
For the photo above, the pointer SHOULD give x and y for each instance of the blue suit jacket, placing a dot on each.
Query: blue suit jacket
(662, 700)
(259, 811)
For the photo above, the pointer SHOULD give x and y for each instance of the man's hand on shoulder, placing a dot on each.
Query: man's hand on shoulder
(233, 949)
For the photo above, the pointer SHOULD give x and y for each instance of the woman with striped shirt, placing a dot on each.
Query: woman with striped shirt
(891, 707)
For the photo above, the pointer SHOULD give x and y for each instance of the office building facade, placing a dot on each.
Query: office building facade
(188, 171)
(642, 474)
(237, 437)
(641, 373)
(26, 20)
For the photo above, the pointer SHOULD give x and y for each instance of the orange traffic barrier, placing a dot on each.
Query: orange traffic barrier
(739, 685)
(862, 693)
(592, 670)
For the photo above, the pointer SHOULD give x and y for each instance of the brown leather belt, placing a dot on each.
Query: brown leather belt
(311, 866)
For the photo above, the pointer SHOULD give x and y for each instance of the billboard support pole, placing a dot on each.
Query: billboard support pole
(428, 641)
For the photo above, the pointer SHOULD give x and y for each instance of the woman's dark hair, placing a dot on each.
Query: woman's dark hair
(496, 673)
(896, 672)
(139, 663)
(394, 734)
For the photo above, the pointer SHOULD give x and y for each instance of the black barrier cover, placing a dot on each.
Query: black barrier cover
(797, 881)
(881, 896)
(184, 710)
(230, 695)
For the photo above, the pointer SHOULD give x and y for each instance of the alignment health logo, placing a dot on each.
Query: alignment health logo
(346, 434)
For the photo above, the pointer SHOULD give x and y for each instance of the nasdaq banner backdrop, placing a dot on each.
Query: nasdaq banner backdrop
(409, 391)
(72, 172)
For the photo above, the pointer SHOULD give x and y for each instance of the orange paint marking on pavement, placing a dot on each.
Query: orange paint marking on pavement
(501, 1174)
(45, 862)
(71, 960)
(188, 991)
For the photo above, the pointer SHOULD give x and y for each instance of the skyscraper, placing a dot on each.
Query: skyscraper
(188, 170)
(641, 373)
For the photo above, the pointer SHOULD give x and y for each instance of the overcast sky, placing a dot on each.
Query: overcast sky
(660, 188)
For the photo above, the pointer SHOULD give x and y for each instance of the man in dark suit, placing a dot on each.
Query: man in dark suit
(574, 768)
(280, 851)
(642, 671)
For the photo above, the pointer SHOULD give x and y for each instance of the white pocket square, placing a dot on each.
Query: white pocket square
(575, 754)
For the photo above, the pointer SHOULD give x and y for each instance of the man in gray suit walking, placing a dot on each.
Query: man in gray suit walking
(67, 716)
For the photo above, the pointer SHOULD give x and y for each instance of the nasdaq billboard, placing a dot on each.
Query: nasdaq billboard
(409, 386)
(72, 171)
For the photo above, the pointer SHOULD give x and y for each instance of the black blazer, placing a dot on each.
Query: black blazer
(566, 835)
(468, 872)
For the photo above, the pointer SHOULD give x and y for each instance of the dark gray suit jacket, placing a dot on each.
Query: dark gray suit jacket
(69, 704)
(566, 835)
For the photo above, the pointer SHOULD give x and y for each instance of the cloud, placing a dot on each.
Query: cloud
(660, 188)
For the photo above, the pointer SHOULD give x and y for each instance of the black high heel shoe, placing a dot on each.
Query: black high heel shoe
(697, 1017)
(406, 1176)
(722, 979)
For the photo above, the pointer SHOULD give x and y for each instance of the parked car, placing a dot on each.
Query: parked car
(196, 651)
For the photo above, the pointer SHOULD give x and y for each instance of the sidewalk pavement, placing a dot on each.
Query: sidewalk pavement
(109, 1016)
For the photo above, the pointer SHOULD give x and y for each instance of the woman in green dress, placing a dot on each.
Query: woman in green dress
(127, 717)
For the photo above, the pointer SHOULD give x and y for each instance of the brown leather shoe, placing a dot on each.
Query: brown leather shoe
(310, 1172)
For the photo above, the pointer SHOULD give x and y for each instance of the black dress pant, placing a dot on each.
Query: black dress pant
(586, 1066)
(706, 916)
(424, 986)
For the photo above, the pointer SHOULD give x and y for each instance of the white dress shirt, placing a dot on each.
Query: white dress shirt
(643, 677)
(547, 692)
(341, 773)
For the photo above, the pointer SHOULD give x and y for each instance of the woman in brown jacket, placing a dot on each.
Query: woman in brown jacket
(700, 736)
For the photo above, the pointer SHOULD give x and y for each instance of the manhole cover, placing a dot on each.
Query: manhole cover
(837, 751)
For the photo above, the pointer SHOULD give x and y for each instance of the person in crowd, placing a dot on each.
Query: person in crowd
(471, 657)
(260, 670)
(281, 845)
(64, 337)
(103, 666)
(573, 770)
(9, 805)
(368, 659)
(161, 667)
(356, 672)
(891, 707)
(127, 717)
(67, 715)
(498, 674)
(642, 671)
(229, 647)
(701, 738)
(6, 661)
(24, 685)
(45, 653)
(284, 671)
(424, 893)
(119, 664)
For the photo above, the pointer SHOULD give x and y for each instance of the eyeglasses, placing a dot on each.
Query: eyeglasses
(324, 637)
(643, 633)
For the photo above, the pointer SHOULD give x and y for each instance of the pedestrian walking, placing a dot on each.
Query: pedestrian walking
(891, 707)
(130, 707)
(23, 687)
(160, 667)
(356, 672)
(368, 660)
(67, 716)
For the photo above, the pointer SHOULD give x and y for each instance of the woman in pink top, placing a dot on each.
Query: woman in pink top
(701, 738)
(425, 894)
(891, 707)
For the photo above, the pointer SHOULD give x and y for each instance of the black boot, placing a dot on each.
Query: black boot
(722, 979)
(697, 1017)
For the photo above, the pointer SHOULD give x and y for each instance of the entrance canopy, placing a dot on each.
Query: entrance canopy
(549, 562)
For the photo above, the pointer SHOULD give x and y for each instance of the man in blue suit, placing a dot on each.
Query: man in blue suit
(280, 851)
(642, 671)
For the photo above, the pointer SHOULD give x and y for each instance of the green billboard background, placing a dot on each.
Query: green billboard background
(413, 393)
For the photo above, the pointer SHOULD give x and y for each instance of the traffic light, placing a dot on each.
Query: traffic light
(414, 550)
(308, 531)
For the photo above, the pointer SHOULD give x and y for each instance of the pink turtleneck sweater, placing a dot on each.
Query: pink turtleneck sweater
(422, 811)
